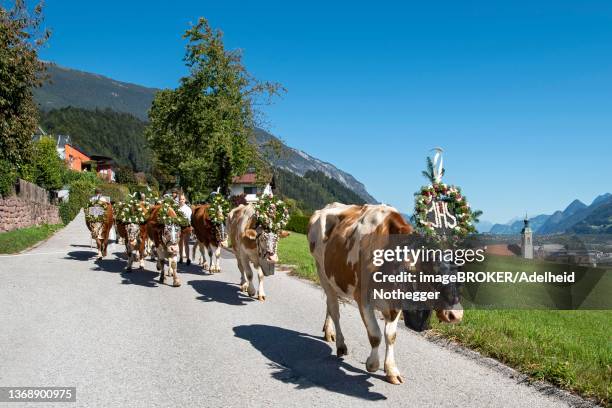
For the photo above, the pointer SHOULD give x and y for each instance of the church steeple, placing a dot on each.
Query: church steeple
(527, 240)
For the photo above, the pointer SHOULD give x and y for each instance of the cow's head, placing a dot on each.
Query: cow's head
(448, 307)
(96, 230)
(170, 238)
(221, 234)
(267, 244)
(133, 235)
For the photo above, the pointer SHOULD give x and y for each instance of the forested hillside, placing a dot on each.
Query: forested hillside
(314, 190)
(102, 132)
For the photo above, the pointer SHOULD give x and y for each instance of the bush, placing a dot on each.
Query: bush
(125, 175)
(7, 177)
(116, 192)
(82, 187)
(47, 168)
(298, 223)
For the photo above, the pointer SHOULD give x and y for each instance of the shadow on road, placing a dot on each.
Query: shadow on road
(81, 255)
(141, 278)
(222, 292)
(307, 361)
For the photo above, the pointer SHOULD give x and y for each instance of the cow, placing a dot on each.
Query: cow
(208, 235)
(100, 230)
(166, 242)
(134, 236)
(252, 245)
(342, 239)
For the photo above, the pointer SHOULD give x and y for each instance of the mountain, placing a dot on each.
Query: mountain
(577, 217)
(69, 87)
(102, 132)
(299, 163)
(515, 227)
(484, 226)
(576, 212)
(314, 190)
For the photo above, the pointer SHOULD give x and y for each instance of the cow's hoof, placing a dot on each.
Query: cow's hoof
(244, 287)
(372, 364)
(395, 379)
(250, 292)
(188, 262)
(128, 269)
(330, 337)
(176, 283)
(261, 298)
(161, 278)
(342, 350)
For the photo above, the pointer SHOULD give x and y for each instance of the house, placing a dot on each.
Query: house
(71, 154)
(247, 184)
(103, 165)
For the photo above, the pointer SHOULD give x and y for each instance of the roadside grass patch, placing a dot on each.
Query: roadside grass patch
(571, 349)
(294, 251)
(15, 241)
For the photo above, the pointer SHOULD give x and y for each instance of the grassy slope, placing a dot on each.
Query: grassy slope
(18, 240)
(572, 349)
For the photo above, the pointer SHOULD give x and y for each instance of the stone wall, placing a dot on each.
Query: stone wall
(28, 205)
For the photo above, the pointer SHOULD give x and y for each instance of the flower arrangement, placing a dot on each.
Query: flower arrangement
(271, 214)
(164, 215)
(132, 210)
(95, 211)
(219, 208)
(456, 204)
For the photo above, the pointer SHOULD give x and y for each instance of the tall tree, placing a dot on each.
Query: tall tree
(202, 131)
(20, 71)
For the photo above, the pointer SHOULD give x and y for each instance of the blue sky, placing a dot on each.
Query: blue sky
(518, 94)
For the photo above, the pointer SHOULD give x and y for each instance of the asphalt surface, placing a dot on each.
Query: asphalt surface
(123, 340)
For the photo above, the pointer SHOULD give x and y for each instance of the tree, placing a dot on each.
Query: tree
(20, 72)
(46, 169)
(202, 131)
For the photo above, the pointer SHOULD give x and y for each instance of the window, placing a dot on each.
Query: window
(250, 190)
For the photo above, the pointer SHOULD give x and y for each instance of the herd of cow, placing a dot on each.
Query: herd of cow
(339, 235)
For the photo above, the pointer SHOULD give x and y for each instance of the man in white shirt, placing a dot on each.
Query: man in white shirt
(186, 232)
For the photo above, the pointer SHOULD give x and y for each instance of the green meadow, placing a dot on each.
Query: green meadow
(569, 348)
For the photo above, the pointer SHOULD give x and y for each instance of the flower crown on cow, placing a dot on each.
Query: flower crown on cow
(219, 208)
(441, 211)
(95, 211)
(164, 214)
(271, 214)
(132, 210)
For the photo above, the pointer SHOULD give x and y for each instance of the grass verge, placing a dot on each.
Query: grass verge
(571, 349)
(16, 241)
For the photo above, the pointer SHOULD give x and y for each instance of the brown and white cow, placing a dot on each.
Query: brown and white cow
(166, 241)
(135, 237)
(100, 230)
(252, 246)
(342, 239)
(210, 236)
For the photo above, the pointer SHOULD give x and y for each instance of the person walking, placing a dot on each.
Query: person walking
(185, 232)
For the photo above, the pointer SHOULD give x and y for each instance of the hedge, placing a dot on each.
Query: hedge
(298, 223)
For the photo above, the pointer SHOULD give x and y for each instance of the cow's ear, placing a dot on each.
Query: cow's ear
(251, 234)
(284, 234)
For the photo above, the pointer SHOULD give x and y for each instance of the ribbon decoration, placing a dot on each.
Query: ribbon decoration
(438, 164)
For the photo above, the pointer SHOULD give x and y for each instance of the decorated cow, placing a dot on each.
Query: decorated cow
(254, 231)
(130, 218)
(208, 222)
(99, 221)
(164, 228)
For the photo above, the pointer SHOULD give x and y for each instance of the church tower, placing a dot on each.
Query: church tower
(527, 240)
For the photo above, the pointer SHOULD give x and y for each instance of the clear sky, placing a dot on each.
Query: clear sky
(519, 94)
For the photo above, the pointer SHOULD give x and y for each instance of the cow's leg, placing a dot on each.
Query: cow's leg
(160, 265)
(218, 258)
(374, 335)
(104, 246)
(211, 268)
(99, 246)
(393, 374)
(244, 283)
(248, 277)
(328, 328)
(333, 307)
(261, 294)
(172, 266)
(128, 267)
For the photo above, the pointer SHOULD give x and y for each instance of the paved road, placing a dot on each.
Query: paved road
(125, 341)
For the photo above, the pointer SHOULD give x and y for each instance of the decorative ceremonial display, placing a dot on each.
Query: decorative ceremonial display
(95, 211)
(219, 208)
(132, 210)
(441, 211)
(164, 217)
(272, 214)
